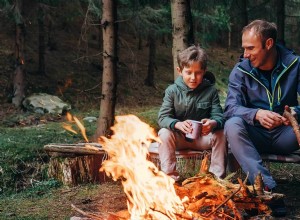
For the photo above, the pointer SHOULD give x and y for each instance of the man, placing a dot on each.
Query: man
(265, 80)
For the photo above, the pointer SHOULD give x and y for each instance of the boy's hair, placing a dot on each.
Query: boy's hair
(264, 29)
(190, 55)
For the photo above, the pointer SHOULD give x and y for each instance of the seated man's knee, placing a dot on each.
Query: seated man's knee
(234, 125)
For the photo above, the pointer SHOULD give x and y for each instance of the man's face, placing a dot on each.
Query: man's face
(193, 75)
(254, 50)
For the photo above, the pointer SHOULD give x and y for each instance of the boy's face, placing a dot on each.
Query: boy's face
(193, 75)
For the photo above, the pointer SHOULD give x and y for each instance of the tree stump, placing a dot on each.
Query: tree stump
(73, 164)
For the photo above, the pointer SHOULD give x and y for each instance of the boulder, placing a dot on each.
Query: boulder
(45, 103)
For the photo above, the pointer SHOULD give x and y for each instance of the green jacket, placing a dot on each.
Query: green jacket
(181, 103)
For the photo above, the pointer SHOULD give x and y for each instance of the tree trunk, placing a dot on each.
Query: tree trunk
(19, 75)
(149, 81)
(42, 46)
(181, 28)
(280, 20)
(75, 164)
(109, 81)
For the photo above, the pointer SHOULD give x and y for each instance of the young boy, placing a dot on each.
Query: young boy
(193, 96)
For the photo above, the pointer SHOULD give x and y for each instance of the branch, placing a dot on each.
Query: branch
(294, 123)
(226, 200)
(86, 214)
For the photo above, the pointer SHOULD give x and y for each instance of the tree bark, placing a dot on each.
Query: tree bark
(19, 75)
(109, 78)
(181, 28)
(75, 164)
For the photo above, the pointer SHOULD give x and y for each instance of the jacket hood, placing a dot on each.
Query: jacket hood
(208, 80)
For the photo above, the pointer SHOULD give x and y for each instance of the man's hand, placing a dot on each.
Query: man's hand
(269, 119)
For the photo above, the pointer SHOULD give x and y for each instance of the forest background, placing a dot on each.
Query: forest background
(58, 47)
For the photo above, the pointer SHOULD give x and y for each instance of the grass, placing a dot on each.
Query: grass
(45, 201)
(22, 159)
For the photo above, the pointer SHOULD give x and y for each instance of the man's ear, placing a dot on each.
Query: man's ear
(269, 43)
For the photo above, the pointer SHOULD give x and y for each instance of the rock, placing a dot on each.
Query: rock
(45, 103)
(90, 119)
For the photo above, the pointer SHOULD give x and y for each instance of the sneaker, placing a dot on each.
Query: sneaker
(278, 208)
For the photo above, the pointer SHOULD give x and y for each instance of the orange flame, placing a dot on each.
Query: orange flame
(82, 128)
(147, 189)
(68, 127)
(69, 117)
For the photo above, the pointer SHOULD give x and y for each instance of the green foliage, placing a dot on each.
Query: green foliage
(5, 4)
(94, 10)
(150, 117)
(146, 16)
(211, 21)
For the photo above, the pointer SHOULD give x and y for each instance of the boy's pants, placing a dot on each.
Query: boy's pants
(246, 142)
(175, 140)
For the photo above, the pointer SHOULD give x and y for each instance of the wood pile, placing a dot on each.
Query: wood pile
(207, 197)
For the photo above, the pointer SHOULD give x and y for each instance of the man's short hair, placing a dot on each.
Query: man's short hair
(190, 55)
(262, 28)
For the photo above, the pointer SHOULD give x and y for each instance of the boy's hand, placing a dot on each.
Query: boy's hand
(184, 126)
(208, 126)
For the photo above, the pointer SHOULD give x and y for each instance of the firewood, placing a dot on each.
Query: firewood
(87, 214)
(259, 185)
(244, 189)
(210, 197)
(204, 165)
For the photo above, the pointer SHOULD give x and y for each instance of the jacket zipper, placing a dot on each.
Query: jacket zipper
(270, 96)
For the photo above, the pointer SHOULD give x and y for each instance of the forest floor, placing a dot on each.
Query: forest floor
(76, 78)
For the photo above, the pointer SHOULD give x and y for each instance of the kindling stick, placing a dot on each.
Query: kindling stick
(294, 123)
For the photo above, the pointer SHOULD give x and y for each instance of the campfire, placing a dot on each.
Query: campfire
(151, 194)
